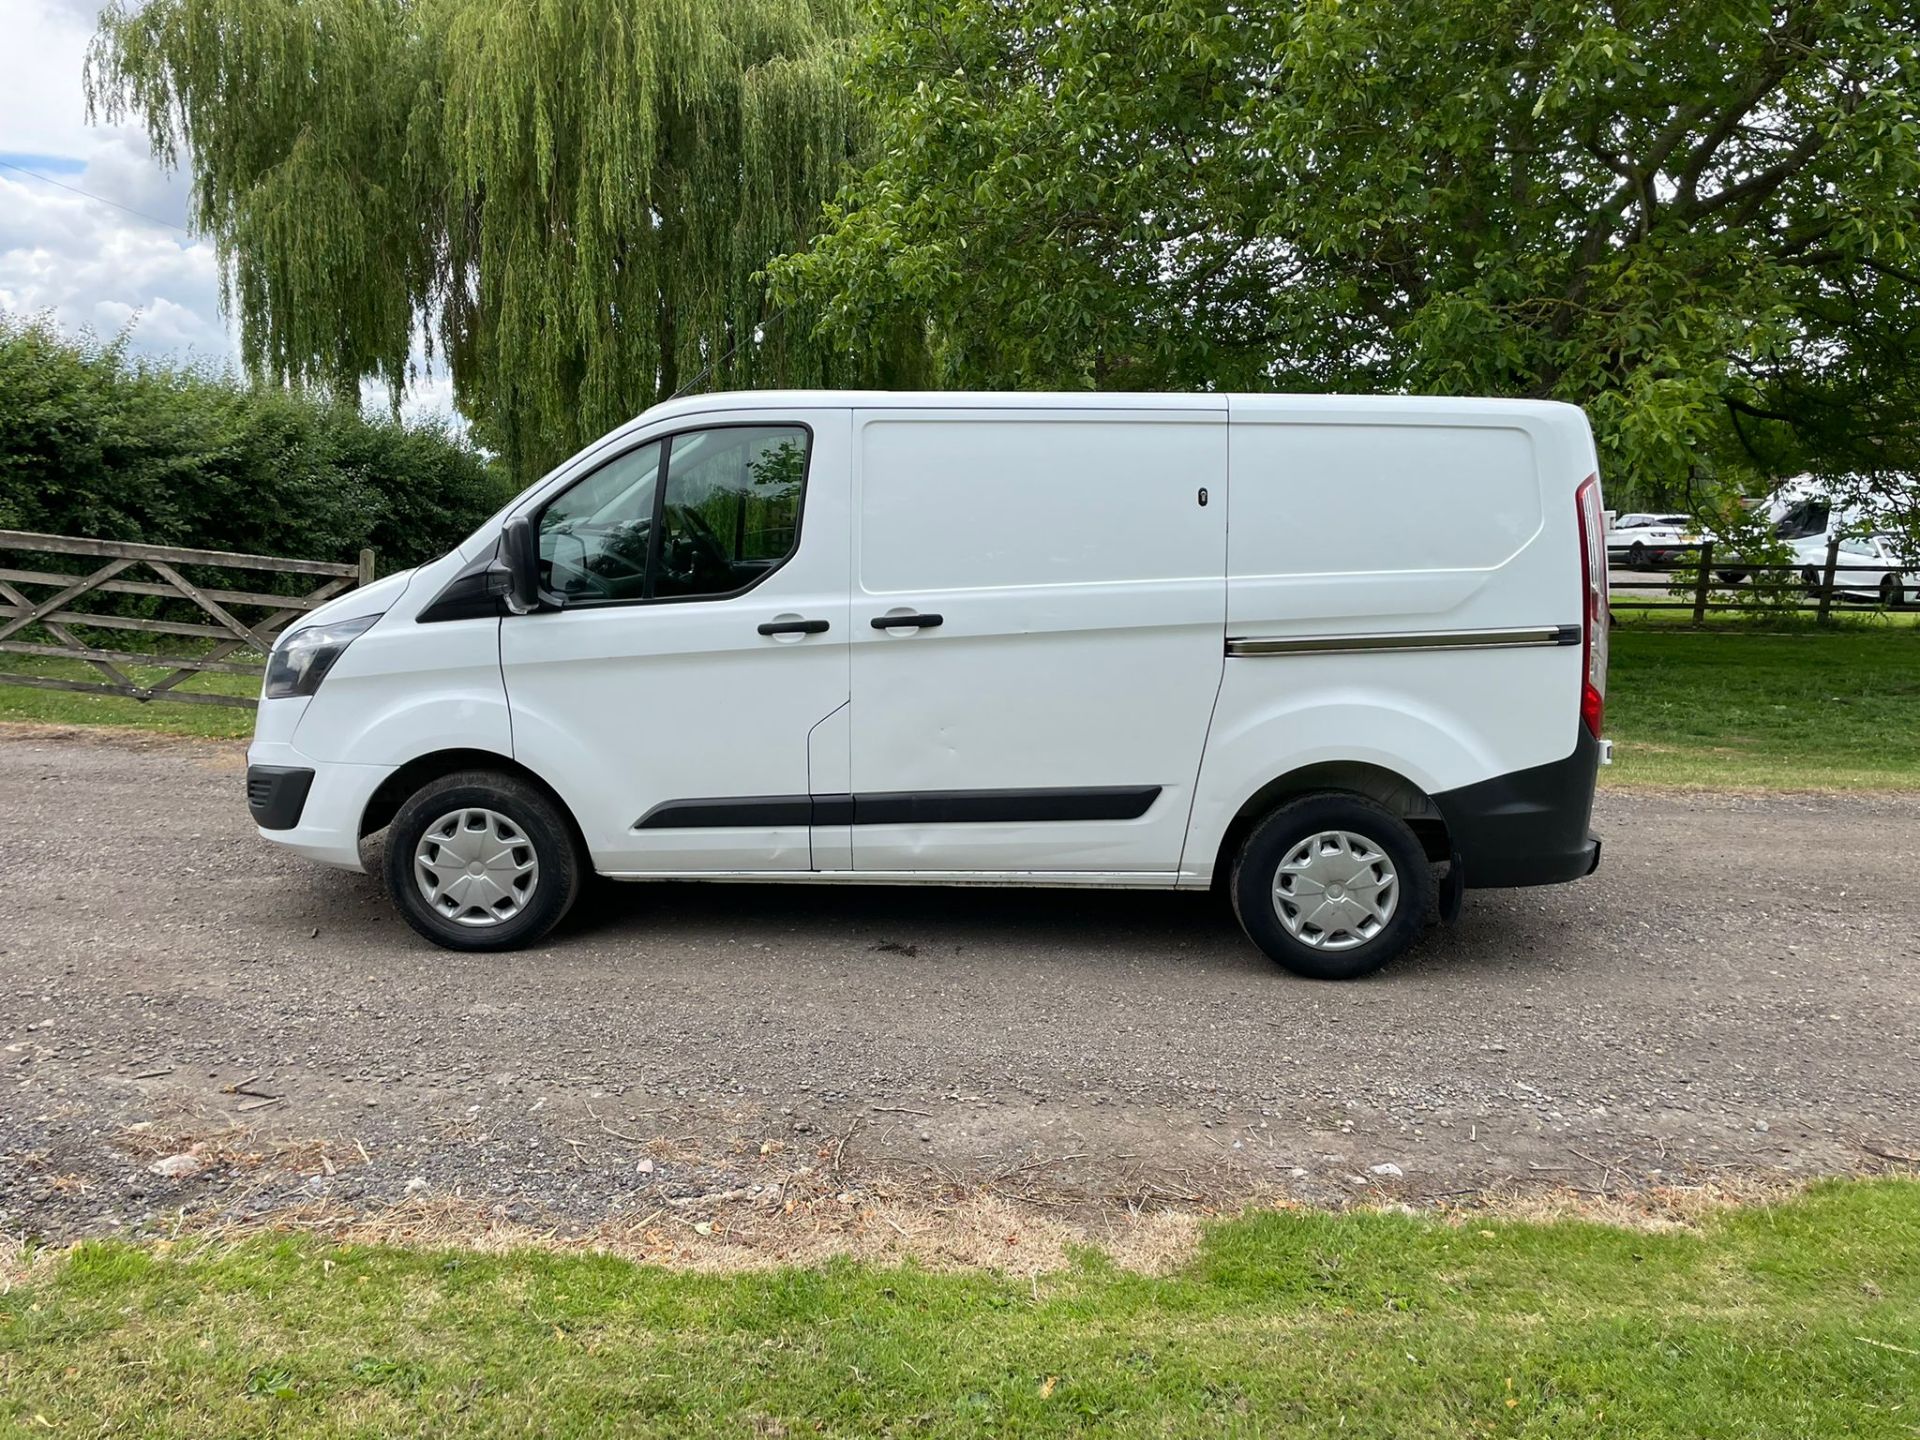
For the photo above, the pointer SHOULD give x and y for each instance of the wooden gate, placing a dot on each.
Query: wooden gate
(236, 642)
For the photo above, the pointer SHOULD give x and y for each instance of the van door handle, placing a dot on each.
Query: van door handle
(905, 622)
(792, 627)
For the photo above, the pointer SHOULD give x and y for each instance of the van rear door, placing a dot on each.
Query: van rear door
(1037, 631)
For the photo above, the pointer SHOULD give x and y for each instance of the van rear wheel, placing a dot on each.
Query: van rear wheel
(1332, 886)
(480, 860)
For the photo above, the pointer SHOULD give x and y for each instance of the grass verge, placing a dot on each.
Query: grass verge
(1801, 1318)
(1803, 708)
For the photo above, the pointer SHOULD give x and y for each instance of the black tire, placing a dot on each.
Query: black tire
(538, 822)
(1731, 577)
(1892, 593)
(1637, 557)
(1257, 867)
(1810, 578)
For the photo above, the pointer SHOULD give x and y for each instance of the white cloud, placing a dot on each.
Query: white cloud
(94, 269)
(90, 264)
(42, 105)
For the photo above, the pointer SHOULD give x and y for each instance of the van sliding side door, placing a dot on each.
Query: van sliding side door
(1037, 633)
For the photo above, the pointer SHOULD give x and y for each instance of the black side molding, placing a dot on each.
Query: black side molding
(276, 794)
(833, 809)
(990, 807)
(906, 807)
(754, 810)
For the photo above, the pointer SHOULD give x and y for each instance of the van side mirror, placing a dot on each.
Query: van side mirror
(520, 561)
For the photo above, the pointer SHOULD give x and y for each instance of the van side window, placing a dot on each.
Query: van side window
(730, 514)
(732, 509)
(594, 538)
(1809, 517)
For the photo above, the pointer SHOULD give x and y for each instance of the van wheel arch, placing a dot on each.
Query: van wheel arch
(1391, 791)
(425, 769)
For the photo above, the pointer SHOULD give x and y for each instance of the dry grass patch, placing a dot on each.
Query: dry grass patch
(978, 1231)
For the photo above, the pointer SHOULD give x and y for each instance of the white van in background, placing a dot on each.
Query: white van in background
(1344, 657)
(1875, 555)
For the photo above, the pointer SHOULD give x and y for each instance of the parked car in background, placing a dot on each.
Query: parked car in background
(1873, 568)
(1646, 541)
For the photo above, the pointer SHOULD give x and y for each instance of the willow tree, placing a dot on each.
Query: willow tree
(572, 198)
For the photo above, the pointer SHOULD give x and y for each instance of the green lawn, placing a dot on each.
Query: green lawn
(1736, 706)
(67, 707)
(1797, 1320)
(1743, 707)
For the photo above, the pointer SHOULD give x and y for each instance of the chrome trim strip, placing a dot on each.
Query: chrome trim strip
(1405, 640)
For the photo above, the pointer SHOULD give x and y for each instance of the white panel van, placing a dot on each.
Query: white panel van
(1343, 658)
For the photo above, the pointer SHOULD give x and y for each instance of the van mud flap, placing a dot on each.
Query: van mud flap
(1453, 891)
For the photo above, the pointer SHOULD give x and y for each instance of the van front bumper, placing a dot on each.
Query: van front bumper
(324, 824)
(1528, 827)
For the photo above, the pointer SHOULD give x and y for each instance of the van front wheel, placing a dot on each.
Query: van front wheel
(1332, 886)
(481, 861)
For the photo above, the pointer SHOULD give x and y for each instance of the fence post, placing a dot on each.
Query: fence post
(1826, 579)
(366, 567)
(1700, 585)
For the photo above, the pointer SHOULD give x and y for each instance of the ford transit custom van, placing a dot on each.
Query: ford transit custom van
(1343, 658)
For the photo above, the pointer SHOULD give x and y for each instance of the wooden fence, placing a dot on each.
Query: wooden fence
(238, 645)
(1792, 585)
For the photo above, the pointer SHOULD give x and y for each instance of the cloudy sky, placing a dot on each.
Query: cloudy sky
(91, 264)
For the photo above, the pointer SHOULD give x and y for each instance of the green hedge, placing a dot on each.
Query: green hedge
(95, 442)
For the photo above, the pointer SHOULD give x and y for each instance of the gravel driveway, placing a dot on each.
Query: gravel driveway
(1736, 988)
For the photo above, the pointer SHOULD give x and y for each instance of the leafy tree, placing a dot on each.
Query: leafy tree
(1701, 221)
(575, 195)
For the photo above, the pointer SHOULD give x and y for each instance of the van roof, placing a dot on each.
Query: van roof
(1351, 407)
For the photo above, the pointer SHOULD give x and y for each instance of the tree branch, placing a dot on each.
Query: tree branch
(1701, 155)
(1762, 183)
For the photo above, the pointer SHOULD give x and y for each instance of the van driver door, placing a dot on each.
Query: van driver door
(685, 692)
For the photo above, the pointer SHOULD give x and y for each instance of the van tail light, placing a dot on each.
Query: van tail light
(1593, 591)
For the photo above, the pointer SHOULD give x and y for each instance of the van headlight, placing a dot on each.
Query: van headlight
(303, 657)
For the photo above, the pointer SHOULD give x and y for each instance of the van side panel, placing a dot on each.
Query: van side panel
(1403, 591)
(1053, 720)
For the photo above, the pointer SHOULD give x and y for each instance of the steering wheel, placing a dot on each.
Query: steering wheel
(682, 559)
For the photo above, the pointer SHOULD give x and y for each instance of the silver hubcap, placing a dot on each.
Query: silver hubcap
(1335, 890)
(476, 867)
